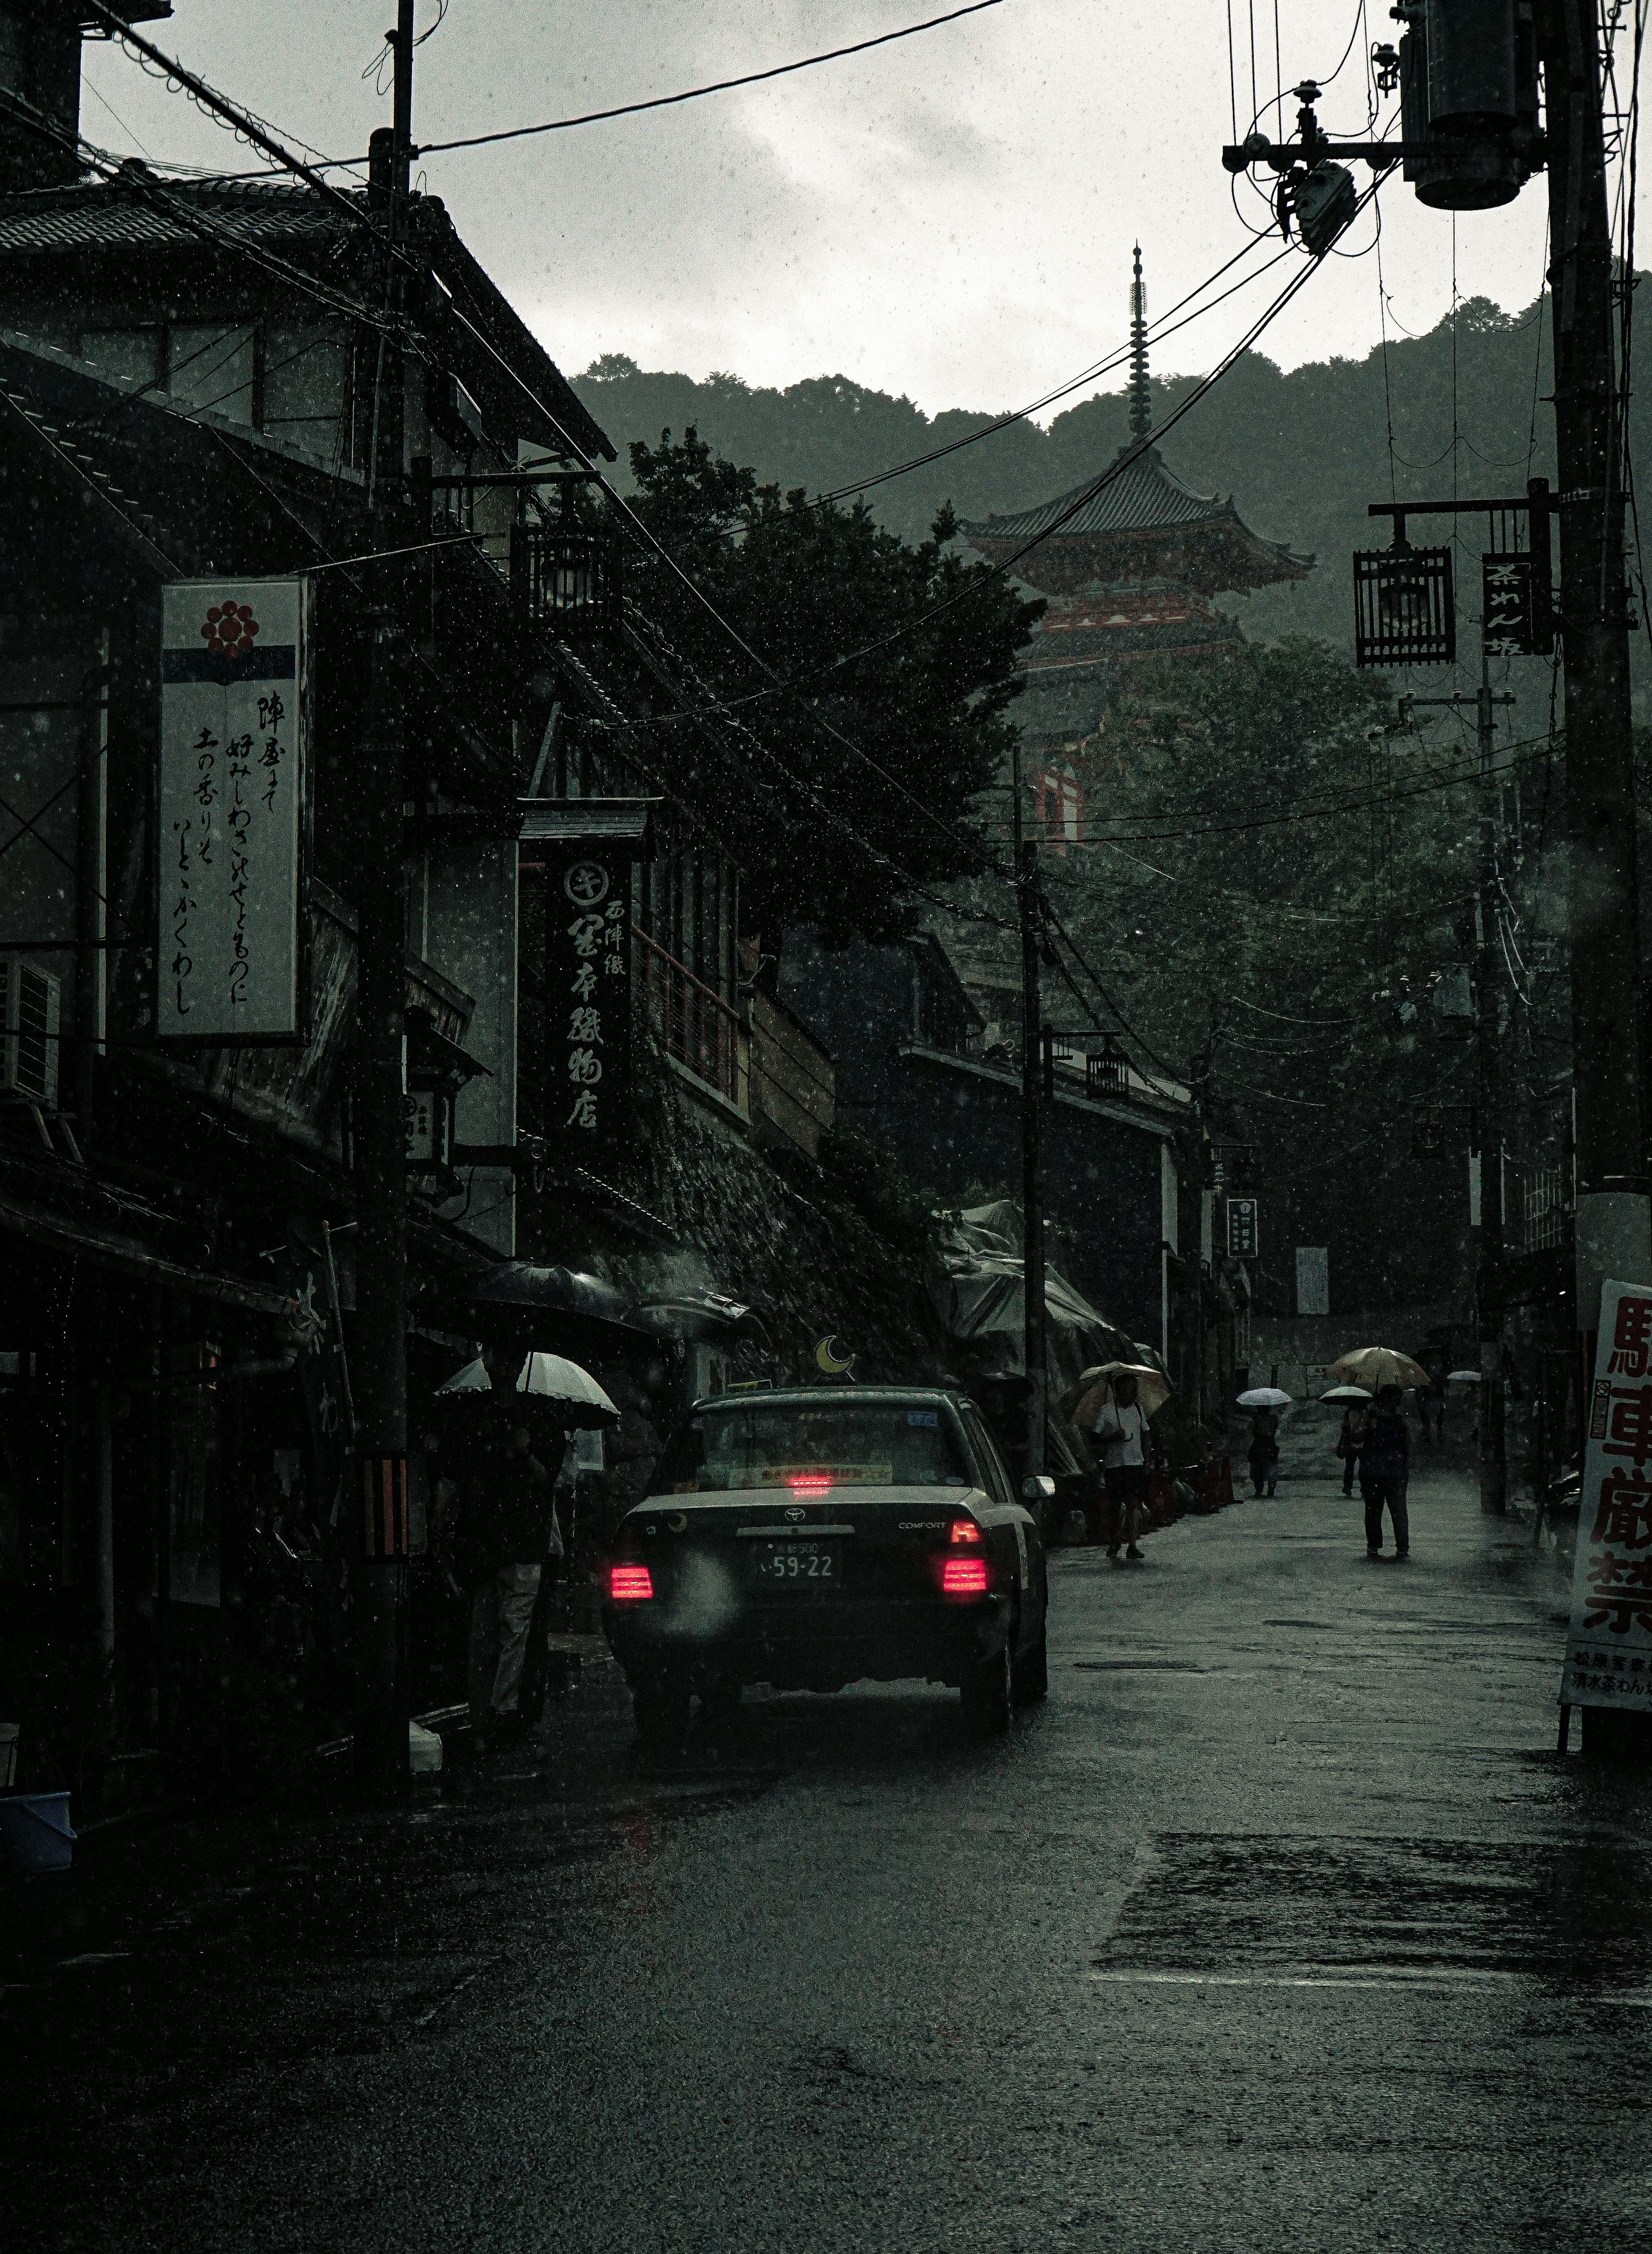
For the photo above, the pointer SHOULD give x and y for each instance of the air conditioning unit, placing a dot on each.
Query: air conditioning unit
(30, 1047)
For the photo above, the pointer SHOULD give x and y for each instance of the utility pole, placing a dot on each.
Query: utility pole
(1489, 1006)
(1029, 897)
(378, 1083)
(1489, 1123)
(1614, 1231)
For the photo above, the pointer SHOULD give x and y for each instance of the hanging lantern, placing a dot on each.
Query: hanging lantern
(1404, 607)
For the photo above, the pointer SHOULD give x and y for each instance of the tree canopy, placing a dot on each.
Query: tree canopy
(856, 689)
(1283, 909)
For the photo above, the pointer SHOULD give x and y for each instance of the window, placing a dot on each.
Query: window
(133, 354)
(854, 1444)
(306, 377)
(213, 367)
(1060, 804)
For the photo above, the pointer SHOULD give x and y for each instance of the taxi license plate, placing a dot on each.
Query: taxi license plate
(813, 1566)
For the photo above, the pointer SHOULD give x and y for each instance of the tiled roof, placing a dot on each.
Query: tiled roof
(1139, 496)
(123, 217)
(141, 211)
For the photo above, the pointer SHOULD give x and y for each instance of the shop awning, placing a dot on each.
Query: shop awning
(627, 821)
(74, 1238)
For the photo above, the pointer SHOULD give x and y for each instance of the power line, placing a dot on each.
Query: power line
(1328, 809)
(1161, 329)
(637, 108)
(695, 93)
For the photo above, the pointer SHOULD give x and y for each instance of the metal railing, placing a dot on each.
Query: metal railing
(690, 1020)
(1542, 1208)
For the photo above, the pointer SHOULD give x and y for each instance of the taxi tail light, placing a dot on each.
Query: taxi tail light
(964, 1576)
(629, 1584)
(809, 1482)
(965, 1529)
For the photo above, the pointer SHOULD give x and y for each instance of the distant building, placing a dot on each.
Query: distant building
(1127, 571)
(913, 1075)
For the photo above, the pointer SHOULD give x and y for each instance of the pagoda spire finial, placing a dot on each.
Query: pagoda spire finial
(1140, 392)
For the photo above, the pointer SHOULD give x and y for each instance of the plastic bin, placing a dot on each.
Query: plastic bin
(34, 1832)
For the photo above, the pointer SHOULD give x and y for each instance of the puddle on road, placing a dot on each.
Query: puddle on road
(1405, 1912)
(1138, 1666)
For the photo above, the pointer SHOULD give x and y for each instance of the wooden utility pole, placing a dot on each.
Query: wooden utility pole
(378, 1080)
(1488, 1111)
(1613, 1232)
(1490, 1126)
(1029, 897)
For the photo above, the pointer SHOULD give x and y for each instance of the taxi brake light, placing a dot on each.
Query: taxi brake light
(965, 1529)
(809, 1482)
(629, 1583)
(963, 1577)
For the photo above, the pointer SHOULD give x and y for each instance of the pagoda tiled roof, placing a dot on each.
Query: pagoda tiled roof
(1139, 498)
(1140, 495)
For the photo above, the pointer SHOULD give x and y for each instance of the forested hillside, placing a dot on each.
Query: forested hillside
(1301, 453)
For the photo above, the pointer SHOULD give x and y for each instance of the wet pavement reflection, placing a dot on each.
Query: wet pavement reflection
(1280, 1926)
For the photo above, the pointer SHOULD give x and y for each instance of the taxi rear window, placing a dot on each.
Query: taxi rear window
(871, 1444)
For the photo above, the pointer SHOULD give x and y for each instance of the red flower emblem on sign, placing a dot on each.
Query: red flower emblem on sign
(229, 629)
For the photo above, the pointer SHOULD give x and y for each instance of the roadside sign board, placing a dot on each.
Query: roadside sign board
(232, 811)
(588, 992)
(1609, 1643)
(1242, 1238)
(1313, 1279)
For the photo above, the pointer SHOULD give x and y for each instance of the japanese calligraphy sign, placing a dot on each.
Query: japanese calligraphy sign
(1511, 611)
(588, 995)
(1609, 1643)
(232, 810)
(1242, 1240)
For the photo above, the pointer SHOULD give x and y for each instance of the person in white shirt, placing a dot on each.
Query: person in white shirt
(1120, 1433)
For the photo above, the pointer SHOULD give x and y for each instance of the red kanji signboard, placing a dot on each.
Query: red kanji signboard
(1609, 1644)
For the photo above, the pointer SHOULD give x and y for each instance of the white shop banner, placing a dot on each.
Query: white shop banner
(233, 755)
(1609, 1644)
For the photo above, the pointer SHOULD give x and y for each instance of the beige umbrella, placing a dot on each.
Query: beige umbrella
(1084, 1401)
(1375, 1367)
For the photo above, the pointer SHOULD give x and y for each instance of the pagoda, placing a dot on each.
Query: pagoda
(1129, 573)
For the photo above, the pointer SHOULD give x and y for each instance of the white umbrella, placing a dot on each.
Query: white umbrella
(1265, 1397)
(1346, 1394)
(474, 1378)
(574, 1394)
(1464, 1377)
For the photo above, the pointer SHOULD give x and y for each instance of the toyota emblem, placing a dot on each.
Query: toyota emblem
(795, 1513)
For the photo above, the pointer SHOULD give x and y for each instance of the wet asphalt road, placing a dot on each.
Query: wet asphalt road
(1280, 1926)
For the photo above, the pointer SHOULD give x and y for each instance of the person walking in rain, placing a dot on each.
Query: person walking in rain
(510, 1504)
(1348, 1444)
(1120, 1432)
(1385, 1467)
(1264, 1451)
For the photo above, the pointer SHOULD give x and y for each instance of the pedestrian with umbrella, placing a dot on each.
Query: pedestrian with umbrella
(1385, 1443)
(1354, 1401)
(1113, 1402)
(1264, 1403)
(508, 1524)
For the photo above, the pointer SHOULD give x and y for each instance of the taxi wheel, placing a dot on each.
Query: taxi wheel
(662, 1711)
(988, 1698)
(1031, 1674)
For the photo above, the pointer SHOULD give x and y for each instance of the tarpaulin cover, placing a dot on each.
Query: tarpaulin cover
(982, 1299)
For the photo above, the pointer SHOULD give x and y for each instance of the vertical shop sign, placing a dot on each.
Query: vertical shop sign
(232, 811)
(1609, 1643)
(1243, 1241)
(588, 995)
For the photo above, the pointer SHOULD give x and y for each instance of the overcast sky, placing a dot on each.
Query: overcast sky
(949, 217)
